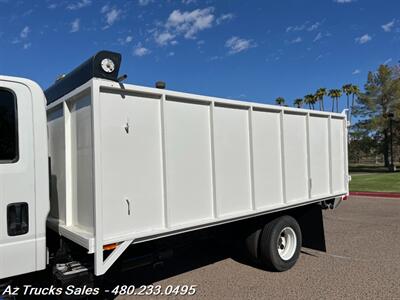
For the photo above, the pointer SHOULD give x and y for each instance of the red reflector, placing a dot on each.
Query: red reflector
(345, 197)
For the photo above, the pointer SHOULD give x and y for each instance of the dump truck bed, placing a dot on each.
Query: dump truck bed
(131, 163)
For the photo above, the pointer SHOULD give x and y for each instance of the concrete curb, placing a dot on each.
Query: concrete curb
(376, 194)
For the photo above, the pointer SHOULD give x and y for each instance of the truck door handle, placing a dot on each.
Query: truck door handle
(17, 218)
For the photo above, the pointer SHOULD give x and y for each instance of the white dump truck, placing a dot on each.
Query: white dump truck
(99, 165)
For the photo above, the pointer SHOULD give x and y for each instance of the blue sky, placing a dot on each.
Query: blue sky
(246, 50)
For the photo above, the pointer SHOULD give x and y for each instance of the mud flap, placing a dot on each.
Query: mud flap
(312, 227)
(252, 244)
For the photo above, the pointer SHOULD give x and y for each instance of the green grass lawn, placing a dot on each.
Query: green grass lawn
(375, 182)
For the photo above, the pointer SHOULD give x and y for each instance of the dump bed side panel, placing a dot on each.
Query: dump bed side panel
(131, 174)
(56, 131)
(189, 179)
(267, 158)
(130, 164)
(71, 162)
(232, 160)
(81, 161)
(295, 157)
(170, 161)
(319, 156)
(338, 152)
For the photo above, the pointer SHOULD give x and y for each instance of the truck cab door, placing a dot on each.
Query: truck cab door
(18, 235)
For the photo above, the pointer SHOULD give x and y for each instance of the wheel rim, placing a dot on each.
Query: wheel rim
(287, 242)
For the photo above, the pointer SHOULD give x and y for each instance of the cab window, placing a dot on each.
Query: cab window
(8, 127)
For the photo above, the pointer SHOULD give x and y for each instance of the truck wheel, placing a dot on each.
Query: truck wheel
(280, 244)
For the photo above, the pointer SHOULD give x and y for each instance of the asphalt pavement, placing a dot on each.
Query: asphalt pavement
(362, 262)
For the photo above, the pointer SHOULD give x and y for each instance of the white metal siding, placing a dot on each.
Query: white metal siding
(165, 162)
(319, 156)
(131, 164)
(70, 151)
(232, 160)
(295, 153)
(338, 160)
(56, 131)
(267, 158)
(188, 161)
(81, 163)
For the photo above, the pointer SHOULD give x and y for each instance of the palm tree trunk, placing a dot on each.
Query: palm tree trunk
(322, 104)
(351, 108)
(333, 104)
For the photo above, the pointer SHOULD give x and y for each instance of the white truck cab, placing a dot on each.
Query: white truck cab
(24, 177)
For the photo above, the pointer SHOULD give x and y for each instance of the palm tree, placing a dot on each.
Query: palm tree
(338, 95)
(355, 91)
(347, 90)
(332, 94)
(309, 99)
(280, 101)
(298, 102)
(315, 100)
(321, 92)
(335, 94)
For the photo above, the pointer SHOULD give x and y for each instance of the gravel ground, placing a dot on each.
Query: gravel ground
(362, 262)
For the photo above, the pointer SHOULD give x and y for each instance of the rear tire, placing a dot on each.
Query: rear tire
(280, 244)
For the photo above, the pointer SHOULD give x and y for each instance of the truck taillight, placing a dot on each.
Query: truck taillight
(345, 197)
